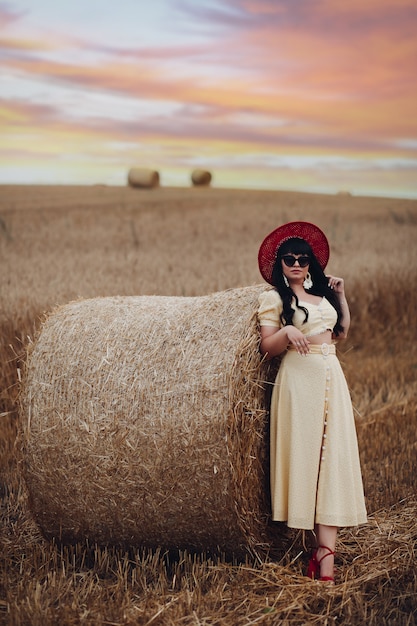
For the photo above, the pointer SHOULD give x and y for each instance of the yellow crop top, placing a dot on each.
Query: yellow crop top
(321, 317)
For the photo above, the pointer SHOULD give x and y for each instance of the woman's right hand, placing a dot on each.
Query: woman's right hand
(275, 341)
(298, 340)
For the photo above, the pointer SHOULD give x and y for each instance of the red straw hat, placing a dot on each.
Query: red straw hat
(304, 230)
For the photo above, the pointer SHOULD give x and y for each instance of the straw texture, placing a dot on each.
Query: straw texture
(201, 177)
(146, 423)
(143, 177)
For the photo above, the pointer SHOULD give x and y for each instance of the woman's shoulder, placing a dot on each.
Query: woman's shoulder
(270, 295)
(270, 307)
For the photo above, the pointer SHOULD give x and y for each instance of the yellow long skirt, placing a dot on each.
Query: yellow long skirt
(315, 467)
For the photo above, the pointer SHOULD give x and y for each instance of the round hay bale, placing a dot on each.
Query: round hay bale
(201, 178)
(143, 178)
(146, 423)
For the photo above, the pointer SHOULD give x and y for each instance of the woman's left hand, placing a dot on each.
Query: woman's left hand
(337, 284)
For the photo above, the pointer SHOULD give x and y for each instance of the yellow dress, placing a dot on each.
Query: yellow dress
(315, 467)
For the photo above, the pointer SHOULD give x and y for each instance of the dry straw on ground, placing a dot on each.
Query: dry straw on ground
(143, 177)
(201, 178)
(147, 423)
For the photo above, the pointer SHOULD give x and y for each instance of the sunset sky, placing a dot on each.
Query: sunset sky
(307, 95)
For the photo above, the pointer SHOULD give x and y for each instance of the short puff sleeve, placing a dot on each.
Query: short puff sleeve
(270, 308)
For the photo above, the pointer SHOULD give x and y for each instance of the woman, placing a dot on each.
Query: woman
(316, 481)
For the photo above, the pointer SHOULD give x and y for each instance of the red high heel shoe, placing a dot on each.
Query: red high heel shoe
(313, 569)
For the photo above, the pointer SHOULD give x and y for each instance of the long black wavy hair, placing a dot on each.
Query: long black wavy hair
(320, 287)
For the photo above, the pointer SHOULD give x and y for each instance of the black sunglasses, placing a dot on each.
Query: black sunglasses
(290, 260)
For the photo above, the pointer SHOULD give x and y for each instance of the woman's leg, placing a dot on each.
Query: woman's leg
(326, 536)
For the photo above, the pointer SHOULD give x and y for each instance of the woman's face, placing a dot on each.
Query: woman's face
(295, 266)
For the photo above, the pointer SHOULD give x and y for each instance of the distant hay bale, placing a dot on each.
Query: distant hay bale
(143, 178)
(201, 178)
(146, 423)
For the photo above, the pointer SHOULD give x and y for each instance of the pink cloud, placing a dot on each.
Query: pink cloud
(268, 75)
(9, 16)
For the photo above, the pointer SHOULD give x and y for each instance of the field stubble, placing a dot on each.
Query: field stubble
(59, 244)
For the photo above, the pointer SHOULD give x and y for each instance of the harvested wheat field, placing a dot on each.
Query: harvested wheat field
(65, 248)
